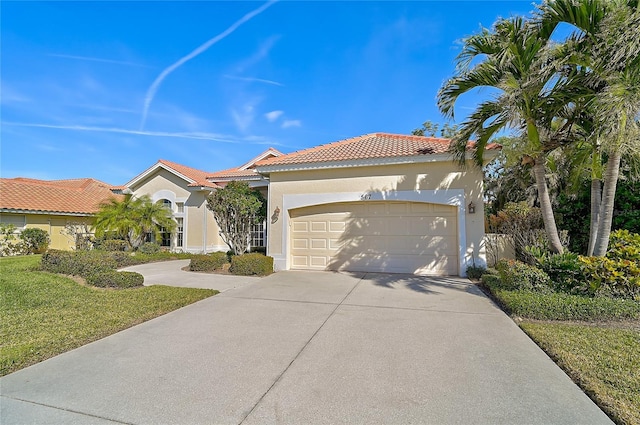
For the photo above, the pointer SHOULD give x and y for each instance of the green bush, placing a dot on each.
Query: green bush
(77, 263)
(208, 263)
(516, 275)
(251, 264)
(624, 245)
(36, 241)
(476, 272)
(114, 279)
(149, 248)
(559, 306)
(111, 245)
(492, 281)
(613, 278)
(564, 270)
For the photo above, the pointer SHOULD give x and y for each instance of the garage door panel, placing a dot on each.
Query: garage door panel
(300, 226)
(319, 261)
(300, 243)
(318, 226)
(337, 226)
(400, 237)
(299, 261)
(319, 243)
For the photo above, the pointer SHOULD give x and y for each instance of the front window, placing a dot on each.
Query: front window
(167, 204)
(257, 235)
(165, 238)
(180, 232)
(180, 207)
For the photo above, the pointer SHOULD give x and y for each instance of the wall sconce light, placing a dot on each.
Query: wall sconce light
(275, 216)
(472, 208)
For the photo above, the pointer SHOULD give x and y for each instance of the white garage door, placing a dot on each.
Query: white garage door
(393, 237)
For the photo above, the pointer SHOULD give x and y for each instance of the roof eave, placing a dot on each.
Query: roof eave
(366, 162)
(27, 211)
(154, 168)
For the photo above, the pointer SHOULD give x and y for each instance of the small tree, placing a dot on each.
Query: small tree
(237, 207)
(131, 219)
(8, 244)
(81, 233)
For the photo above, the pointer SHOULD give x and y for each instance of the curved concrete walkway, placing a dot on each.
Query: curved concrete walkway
(307, 348)
(170, 273)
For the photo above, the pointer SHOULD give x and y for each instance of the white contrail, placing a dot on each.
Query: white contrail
(154, 87)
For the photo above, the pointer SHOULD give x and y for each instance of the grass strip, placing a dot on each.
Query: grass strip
(604, 362)
(44, 314)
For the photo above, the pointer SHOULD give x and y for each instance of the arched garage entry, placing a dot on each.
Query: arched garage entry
(375, 236)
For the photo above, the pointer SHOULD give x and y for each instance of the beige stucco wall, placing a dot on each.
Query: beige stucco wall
(200, 229)
(389, 182)
(54, 225)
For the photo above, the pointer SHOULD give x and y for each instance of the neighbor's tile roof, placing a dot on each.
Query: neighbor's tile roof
(198, 176)
(246, 170)
(81, 196)
(374, 145)
(232, 172)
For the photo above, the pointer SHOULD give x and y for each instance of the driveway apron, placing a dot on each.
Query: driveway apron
(309, 347)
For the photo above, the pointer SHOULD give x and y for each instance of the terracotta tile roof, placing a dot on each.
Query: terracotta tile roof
(80, 196)
(198, 176)
(374, 145)
(246, 170)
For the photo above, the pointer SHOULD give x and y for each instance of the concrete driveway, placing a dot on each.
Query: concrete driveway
(309, 347)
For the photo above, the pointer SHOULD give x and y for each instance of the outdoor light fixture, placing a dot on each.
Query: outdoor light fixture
(472, 208)
(276, 214)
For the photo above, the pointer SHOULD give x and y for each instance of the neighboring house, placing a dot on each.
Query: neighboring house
(184, 190)
(51, 205)
(379, 202)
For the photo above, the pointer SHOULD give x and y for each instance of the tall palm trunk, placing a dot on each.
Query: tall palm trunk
(545, 205)
(606, 207)
(596, 197)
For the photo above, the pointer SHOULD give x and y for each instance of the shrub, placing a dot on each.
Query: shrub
(475, 272)
(564, 270)
(251, 264)
(614, 278)
(516, 275)
(36, 241)
(624, 245)
(111, 245)
(559, 306)
(78, 263)
(208, 263)
(114, 279)
(149, 248)
(492, 281)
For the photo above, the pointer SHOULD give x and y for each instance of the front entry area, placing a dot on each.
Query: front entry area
(375, 236)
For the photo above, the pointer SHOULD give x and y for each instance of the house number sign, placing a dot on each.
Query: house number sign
(365, 196)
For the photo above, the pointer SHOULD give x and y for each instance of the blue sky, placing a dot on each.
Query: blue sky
(105, 89)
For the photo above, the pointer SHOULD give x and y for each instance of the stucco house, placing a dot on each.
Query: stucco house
(378, 202)
(184, 190)
(51, 205)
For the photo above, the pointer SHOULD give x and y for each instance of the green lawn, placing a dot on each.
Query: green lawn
(604, 361)
(43, 314)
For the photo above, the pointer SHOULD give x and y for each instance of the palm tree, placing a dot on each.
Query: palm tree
(152, 219)
(132, 218)
(519, 63)
(606, 48)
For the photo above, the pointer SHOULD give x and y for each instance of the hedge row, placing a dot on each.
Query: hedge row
(560, 306)
(208, 262)
(114, 279)
(97, 267)
(251, 265)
